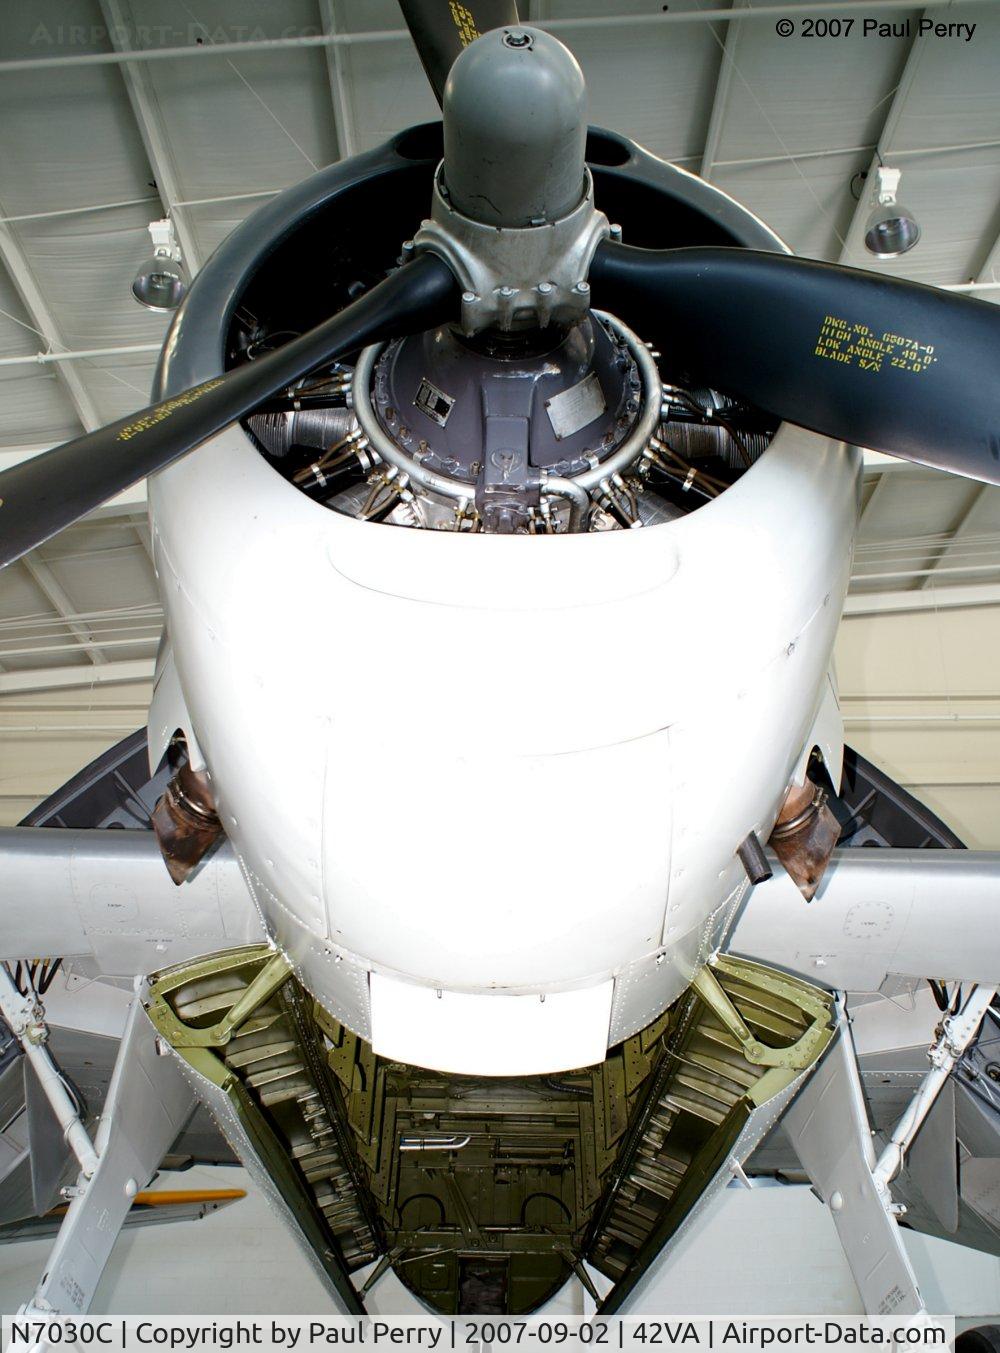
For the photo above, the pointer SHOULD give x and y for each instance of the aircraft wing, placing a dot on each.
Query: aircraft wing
(104, 896)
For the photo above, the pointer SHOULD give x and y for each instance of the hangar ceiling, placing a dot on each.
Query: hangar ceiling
(113, 112)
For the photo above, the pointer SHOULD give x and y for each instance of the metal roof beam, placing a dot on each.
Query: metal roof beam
(920, 599)
(720, 100)
(140, 525)
(78, 355)
(336, 68)
(963, 528)
(989, 273)
(120, 24)
(57, 597)
(44, 323)
(879, 491)
(62, 678)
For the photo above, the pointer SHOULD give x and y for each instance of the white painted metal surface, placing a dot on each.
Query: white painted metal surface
(494, 1035)
(406, 796)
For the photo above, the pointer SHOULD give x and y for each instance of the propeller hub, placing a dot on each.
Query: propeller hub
(515, 129)
(513, 212)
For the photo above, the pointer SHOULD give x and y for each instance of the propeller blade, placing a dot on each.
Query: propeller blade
(876, 361)
(441, 28)
(42, 495)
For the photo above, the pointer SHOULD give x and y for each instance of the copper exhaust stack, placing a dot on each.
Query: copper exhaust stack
(186, 822)
(804, 836)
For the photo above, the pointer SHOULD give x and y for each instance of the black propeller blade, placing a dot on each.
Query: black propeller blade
(877, 361)
(42, 495)
(441, 28)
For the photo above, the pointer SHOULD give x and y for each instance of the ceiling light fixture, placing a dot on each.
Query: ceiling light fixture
(162, 280)
(891, 229)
